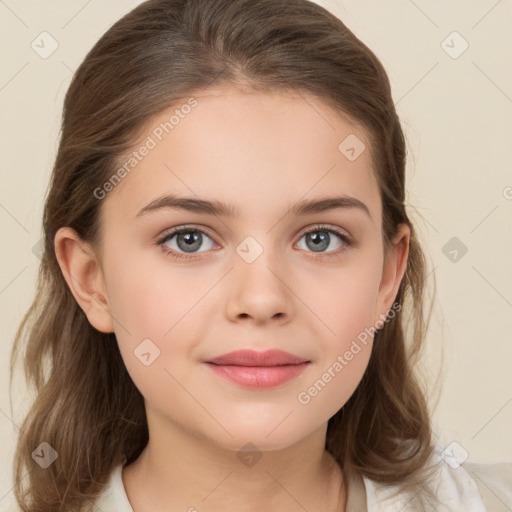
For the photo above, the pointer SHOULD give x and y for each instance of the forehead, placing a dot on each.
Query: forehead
(260, 152)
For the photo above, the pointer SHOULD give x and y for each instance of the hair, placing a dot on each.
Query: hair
(86, 405)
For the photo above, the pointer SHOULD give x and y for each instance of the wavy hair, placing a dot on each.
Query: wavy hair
(86, 405)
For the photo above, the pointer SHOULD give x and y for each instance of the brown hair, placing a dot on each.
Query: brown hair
(87, 407)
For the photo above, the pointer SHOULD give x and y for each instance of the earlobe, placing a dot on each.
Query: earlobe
(394, 268)
(84, 276)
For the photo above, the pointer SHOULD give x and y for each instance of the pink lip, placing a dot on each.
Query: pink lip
(258, 369)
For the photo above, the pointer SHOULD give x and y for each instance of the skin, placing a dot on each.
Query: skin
(262, 153)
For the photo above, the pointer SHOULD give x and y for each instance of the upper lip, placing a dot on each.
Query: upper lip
(254, 358)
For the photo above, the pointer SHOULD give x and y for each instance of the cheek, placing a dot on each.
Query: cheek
(345, 336)
(159, 316)
(149, 299)
(157, 313)
(343, 299)
(328, 391)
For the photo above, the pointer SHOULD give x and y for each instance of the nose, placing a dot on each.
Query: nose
(259, 292)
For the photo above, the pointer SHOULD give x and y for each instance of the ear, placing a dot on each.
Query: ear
(83, 274)
(393, 270)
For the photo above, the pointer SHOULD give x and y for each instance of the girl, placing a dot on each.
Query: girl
(219, 318)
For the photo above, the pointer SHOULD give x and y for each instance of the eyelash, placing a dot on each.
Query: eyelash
(347, 242)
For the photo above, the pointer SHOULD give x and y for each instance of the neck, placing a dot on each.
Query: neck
(178, 471)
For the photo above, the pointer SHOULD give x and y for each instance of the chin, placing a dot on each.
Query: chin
(246, 438)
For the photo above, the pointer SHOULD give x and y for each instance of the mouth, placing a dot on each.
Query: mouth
(254, 369)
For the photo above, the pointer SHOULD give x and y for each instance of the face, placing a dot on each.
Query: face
(260, 274)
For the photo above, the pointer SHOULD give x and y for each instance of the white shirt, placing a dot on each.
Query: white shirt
(470, 487)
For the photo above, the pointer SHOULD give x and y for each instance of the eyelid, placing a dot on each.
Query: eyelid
(313, 227)
(327, 227)
(184, 227)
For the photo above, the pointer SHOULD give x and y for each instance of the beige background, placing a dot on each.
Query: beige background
(457, 114)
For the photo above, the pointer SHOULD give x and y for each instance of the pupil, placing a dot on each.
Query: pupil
(190, 239)
(320, 240)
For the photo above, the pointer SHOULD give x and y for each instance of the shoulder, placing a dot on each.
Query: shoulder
(494, 483)
(114, 495)
(469, 487)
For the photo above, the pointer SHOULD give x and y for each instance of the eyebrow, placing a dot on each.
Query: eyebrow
(214, 207)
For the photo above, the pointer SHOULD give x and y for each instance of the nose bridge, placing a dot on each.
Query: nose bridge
(252, 248)
(260, 288)
(258, 258)
(267, 249)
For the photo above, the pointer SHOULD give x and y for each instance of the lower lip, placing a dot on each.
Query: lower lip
(259, 376)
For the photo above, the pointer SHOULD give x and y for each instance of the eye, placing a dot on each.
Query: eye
(183, 243)
(320, 238)
(186, 239)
